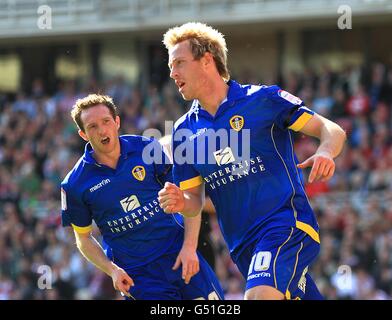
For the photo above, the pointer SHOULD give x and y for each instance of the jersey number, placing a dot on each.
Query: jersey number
(260, 261)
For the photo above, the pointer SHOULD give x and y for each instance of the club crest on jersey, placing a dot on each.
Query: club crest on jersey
(237, 122)
(139, 173)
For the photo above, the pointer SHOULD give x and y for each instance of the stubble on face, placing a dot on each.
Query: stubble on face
(101, 129)
(187, 72)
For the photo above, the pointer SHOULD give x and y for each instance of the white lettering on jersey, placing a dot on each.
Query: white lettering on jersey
(100, 185)
(198, 133)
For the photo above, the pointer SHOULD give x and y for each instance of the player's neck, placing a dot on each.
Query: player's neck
(215, 92)
(108, 159)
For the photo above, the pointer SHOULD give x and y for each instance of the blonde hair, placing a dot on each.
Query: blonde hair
(202, 38)
(91, 100)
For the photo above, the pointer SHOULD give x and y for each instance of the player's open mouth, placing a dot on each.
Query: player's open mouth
(105, 140)
(180, 85)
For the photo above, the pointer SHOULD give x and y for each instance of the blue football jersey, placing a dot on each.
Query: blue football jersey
(123, 202)
(244, 155)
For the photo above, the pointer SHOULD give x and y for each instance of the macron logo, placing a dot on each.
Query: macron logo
(99, 185)
(198, 133)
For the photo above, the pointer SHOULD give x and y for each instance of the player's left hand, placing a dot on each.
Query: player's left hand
(190, 263)
(323, 166)
(171, 198)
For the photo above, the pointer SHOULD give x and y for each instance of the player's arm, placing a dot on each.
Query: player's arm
(188, 202)
(93, 252)
(209, 206)
(172, 199)
(332, 138)
(188, 256)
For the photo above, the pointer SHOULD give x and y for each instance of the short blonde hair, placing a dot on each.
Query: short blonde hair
(202, 39)
(91, 100)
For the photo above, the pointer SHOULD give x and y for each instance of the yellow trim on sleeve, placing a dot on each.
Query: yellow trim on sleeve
(82, 229)
(309, 230)
(191, 183)
(301, 121)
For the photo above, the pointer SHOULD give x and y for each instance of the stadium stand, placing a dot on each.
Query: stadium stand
(113, 47)
(38, 145)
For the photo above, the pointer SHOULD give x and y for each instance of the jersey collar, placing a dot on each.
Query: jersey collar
(236, 91)
(126, 147)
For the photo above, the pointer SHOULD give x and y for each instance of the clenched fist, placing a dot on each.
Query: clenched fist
(171, 198)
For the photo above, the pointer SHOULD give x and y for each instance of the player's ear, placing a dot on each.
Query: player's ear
(208, 59)
(83, 135)
(118, 121)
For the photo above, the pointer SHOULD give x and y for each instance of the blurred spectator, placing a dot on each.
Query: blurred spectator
(38, 146)
(358, 104)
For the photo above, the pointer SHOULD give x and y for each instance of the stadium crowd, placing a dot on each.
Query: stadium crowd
(39, 145)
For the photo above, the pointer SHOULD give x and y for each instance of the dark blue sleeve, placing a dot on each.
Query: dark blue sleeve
(289, 110)
(74, 212)
(184, 173)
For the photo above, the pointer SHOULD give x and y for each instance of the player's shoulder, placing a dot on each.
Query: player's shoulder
(246, 92)
(139, 146)
(134, 141)
(183, 121)
(73, 177)
(273, 94)
(259, 90)
(278, 95)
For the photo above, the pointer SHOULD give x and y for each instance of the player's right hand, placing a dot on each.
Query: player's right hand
(122, 281)
(323, 166)
(171, 198)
